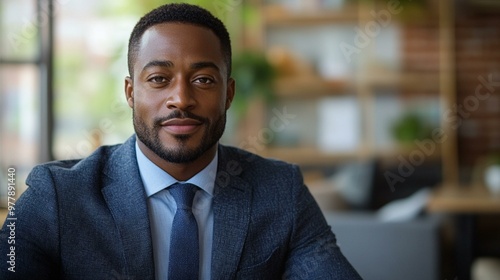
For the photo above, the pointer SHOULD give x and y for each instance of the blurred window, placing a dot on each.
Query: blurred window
(90, 65)
(20, 88)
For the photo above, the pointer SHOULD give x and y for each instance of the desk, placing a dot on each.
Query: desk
(466, 202)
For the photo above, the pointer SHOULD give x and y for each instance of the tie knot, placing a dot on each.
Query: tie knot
(183, 194)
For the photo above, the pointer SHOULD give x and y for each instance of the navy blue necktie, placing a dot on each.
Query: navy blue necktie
(184, 245)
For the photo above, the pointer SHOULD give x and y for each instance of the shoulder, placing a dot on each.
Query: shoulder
(75, 171)
(75, 166)
(248, 159)
(254, 167)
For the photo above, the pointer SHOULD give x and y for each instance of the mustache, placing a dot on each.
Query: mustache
(178, 114)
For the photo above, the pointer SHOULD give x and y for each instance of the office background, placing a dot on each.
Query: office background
(376, 100)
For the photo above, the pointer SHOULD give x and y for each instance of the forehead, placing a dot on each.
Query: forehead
(179, 42)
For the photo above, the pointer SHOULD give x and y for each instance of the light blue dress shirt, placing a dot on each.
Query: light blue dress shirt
(162, 207)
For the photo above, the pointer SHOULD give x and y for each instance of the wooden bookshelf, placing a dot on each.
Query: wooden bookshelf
(277, 15)
(369, 79)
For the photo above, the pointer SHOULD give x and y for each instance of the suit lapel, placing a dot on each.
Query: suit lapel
(124, 193)
(126, 199)
(231, 206)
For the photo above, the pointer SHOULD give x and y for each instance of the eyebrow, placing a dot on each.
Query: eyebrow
(204, 64)
(158, 63)
(170, 64)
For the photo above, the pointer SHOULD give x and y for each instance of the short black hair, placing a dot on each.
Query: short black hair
(179, 13)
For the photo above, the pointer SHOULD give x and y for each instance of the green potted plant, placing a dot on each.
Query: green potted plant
(254, 77)
(409, 128)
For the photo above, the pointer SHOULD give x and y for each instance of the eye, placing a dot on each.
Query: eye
(204, 81)
(157, 79)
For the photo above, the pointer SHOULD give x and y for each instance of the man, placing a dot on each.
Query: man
(116, 213)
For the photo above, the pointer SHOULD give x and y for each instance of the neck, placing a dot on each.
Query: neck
(180, 171)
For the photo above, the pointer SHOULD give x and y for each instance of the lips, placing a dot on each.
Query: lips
(181, 126)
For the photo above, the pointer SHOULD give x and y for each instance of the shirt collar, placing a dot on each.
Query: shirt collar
(156, 179)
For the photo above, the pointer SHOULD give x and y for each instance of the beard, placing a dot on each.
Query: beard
(180, 153)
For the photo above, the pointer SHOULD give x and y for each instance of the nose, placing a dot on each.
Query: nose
(181, 96)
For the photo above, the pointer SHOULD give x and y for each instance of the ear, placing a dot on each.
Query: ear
(129, 91)
(231, 83)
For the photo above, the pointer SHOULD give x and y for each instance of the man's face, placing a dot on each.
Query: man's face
(180, 91)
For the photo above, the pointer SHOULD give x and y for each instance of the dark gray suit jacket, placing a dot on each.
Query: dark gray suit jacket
(88, 219)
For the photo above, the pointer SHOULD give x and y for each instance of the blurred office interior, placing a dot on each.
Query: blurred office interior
(390, 107)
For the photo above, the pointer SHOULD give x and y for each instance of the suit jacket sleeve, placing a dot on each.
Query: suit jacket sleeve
(314, 253)
(29, 245)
